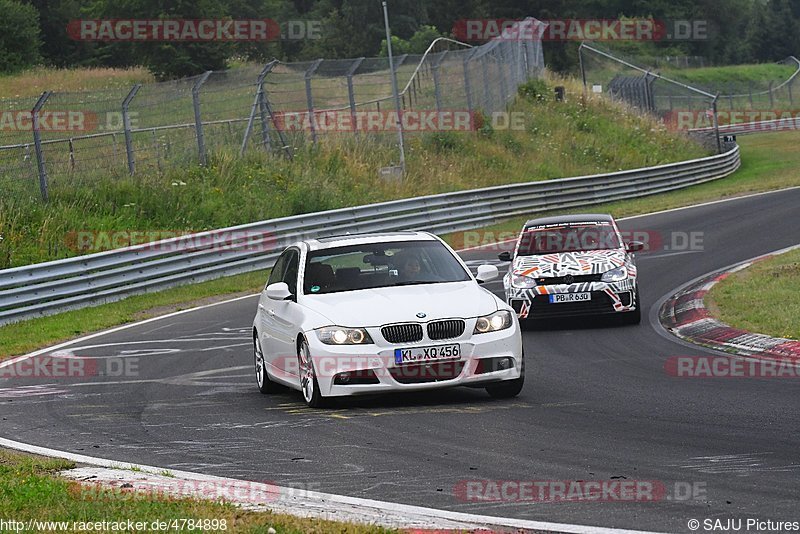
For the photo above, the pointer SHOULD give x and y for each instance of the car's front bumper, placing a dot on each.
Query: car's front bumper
(606, 298)
(331, 360)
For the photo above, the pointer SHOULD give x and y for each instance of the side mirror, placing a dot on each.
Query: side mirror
(487, 273)
(278, 291)
(635, 246)
(505, 256)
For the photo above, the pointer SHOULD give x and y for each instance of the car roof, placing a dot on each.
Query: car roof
(334, 241)
(565, 219)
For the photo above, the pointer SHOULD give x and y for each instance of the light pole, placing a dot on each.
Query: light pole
(397, 106)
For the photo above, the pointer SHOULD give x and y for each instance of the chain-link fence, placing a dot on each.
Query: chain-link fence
(66, 138)
(684, 104)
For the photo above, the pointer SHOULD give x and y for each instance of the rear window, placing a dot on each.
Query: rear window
(571, 237)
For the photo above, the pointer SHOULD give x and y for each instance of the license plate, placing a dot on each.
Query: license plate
(558, 298)
(427, 354)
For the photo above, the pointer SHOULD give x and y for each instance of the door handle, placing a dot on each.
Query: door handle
(271, 312)
(261, 307)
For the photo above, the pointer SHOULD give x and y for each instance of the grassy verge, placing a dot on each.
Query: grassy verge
(25, 336)
(31, 490)
(758, 74)
(763, 298)
(770, 162)
(34, 81)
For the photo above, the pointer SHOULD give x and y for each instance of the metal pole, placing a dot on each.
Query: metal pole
(310, 99)
(437, 89)
(716, 125)
(351, 93)
(583, 69)
(198, 122)
(37, 143)
(394, 90)
(467, 85)
(256, 104)
(126, 124)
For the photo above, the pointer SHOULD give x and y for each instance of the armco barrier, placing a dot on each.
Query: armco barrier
(46, 288)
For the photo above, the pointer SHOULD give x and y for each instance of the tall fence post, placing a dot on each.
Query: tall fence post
(716, 124)
(126, 125)
(467, 84)
(771, 97)
(502, 75)
(487, 90)
(351, 93)
(583, 69)
(198, 122)
(263, 108)
(37, 144)
(256, 104)
(789, 89)
(437, 88)
(310, 99)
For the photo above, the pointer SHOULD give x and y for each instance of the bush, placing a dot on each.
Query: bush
(534, 91)
(19, 36)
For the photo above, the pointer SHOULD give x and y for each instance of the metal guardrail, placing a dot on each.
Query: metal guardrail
(50, 287)
(744, 128)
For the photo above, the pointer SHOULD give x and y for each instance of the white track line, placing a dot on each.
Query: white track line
(328, 505)
(455, 516)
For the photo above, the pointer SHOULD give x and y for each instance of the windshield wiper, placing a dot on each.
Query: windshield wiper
(415, 283)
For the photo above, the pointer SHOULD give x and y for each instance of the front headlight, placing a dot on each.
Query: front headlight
(523, 282)
(337, 335)
(492, 323)
(615, 275)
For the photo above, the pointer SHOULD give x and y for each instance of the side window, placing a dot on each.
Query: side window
(292, 268)
(279, 269)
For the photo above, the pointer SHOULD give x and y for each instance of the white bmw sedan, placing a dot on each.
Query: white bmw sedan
(378, 313)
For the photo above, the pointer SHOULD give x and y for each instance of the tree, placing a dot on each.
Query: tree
(19, 36)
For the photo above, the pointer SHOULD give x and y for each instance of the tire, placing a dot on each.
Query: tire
(634, 317)
(265, 385)
(309, 386)
(508, 388)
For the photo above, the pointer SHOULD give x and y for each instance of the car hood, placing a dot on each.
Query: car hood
(564, 263)
(387, 305)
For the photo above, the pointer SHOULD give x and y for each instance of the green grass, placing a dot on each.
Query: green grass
(25, 336)
(33, 82)
(31, 490)
(558, 140)
(759, 74)
(763, 298)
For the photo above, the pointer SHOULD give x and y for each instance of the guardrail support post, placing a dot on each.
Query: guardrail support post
(716, 124)
(126, 125)
(37, 144)
(310, 99)
(437, 88)
(198, 122)
(351, 93)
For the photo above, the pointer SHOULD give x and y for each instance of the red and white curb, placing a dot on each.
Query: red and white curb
(684, 314)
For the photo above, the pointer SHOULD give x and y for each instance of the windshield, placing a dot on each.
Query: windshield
(572, 237)
(380, 265)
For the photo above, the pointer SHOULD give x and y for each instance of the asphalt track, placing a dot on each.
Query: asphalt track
(597, 405)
